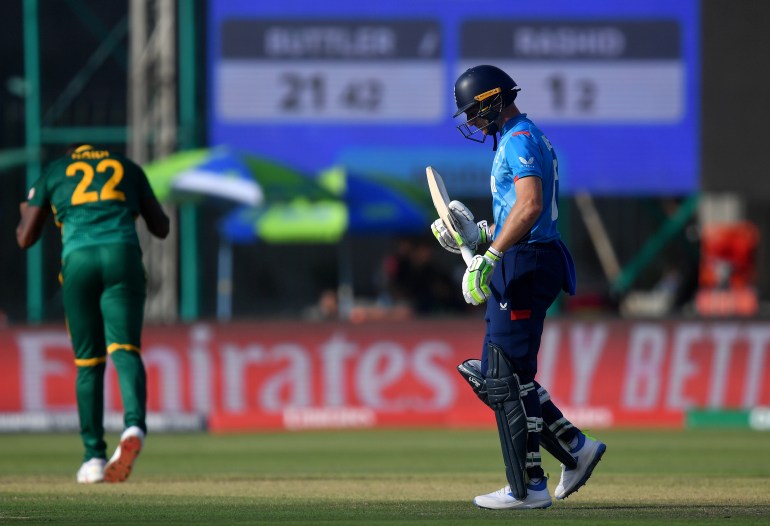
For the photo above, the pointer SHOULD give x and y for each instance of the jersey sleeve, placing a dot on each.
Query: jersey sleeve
(523, 156)
(144, 190)
(38, 194)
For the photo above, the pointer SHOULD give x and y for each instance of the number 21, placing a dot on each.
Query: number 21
(81, 195)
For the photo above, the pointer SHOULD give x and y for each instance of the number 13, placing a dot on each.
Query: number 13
(81, 195)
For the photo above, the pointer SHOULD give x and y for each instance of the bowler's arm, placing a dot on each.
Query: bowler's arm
(31, 224)
(156, 219)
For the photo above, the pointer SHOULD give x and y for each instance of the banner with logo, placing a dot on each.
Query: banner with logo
(297, 375)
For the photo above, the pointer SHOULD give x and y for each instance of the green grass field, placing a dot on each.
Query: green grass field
(377, 477)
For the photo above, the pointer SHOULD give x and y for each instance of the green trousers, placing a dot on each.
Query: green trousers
(104, 290)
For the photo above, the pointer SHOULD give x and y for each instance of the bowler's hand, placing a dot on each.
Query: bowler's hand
(476, 279)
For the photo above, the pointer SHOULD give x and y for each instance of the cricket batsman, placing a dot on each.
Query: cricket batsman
(519, 276)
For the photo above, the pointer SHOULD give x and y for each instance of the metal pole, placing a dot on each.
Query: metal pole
(137, 99)
(225, 281)
(189, 295)
(655, 244)
(152, 115)
(32, 124)
(345, 294)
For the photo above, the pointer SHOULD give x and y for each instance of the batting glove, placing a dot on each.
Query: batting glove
(471, 233)
(443, 236)
(476, 279)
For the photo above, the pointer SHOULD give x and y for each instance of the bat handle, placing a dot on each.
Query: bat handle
(467, 253)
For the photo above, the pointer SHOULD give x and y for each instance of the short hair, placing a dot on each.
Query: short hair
(509, 97)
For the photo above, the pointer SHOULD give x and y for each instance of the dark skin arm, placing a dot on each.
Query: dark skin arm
(30, 227)
(156, 219)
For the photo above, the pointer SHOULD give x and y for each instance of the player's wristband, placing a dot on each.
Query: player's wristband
(493, 254)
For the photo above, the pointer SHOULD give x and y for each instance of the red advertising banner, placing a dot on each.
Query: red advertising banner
(295, 375)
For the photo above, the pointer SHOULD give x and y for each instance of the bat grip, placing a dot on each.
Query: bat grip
(467, 254)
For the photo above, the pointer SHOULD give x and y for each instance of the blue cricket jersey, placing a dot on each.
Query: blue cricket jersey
(524, 151)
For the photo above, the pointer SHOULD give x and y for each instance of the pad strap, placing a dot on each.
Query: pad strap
(534, 424)
(557, 448)
(560, 427)
(533, 460)
(550, 440)
(526, 388)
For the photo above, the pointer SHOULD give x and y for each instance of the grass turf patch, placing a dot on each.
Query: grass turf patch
(383, 476)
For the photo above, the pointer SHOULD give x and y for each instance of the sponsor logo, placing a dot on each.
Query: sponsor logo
(522, 160)
(328, 417)
(503, 306)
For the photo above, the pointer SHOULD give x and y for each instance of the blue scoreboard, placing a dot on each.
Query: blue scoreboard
(365, 84)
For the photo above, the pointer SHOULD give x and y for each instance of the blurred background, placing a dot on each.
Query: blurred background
(288, 141)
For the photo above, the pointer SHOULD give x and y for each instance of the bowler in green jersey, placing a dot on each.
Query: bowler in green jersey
(95, 196)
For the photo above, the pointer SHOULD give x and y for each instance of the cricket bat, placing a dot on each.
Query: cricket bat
(441, 201)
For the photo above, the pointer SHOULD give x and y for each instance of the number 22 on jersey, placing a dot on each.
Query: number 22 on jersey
(109, 191)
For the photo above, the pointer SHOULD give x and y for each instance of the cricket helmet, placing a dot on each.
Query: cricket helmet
(490, 89)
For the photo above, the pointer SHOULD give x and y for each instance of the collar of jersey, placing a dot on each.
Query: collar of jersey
(511, 123)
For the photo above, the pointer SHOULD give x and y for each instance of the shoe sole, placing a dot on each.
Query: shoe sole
(532, 506)
(90, 481)
(599, 454)
(119, 469)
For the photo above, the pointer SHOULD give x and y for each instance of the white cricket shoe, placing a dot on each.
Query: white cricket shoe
(119, 467)
(588, 452)
(503, 499)
(91, 471)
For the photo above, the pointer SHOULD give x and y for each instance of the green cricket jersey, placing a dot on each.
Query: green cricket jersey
(95, 196)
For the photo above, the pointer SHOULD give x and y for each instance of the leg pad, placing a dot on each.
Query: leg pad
(504, 393)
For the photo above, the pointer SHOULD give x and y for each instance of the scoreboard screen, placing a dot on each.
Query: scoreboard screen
(368, 85)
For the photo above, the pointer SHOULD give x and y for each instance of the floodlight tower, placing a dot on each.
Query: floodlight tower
(152, 119)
